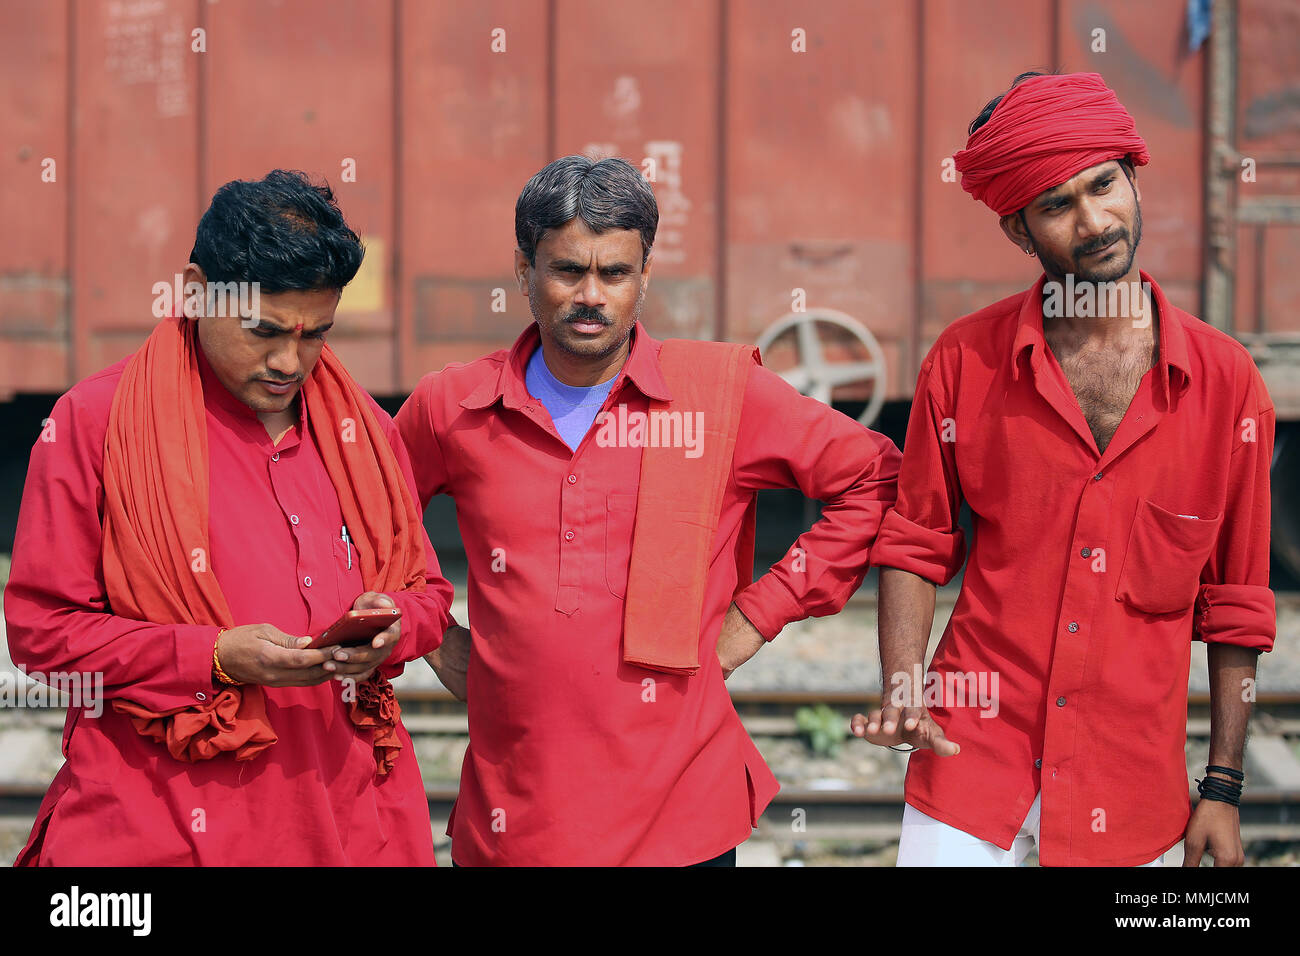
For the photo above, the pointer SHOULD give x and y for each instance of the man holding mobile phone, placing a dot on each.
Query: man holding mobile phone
(230, 471)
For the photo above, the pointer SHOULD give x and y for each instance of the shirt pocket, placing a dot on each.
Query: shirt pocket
(620, 515)
(1165, 555)
(347, 580)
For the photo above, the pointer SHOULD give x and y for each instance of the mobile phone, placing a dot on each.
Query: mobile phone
(356, 627)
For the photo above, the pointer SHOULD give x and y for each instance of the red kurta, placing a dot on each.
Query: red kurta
(574, 756)
(1089, 576)
(313, 798)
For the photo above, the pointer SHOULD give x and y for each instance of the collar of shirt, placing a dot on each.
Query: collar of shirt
(1173, 340)
(218, 400)
(641, 369)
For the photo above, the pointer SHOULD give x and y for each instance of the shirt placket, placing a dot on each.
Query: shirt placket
(568, 591)
(568, 597)
(579, 526)
(1062, 781)
(1073, 641)
(311, 570)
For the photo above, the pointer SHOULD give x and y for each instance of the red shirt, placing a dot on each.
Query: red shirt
(574, 756)
(1089, 576)
(313, 798)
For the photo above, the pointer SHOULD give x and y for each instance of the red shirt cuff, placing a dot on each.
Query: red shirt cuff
(908, 546)
(769, 606)
(1241, 614)
(194, 681)
(421, 632)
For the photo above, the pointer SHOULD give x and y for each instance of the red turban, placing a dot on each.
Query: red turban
(1045, 130)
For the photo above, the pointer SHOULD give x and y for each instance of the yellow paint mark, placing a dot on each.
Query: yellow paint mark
(365, 293)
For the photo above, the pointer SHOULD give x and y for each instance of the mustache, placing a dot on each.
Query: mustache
(587, 314)
(276, 380)
(1100, 243)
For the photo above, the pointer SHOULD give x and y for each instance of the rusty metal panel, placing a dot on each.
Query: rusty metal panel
(650, 95)
(1268, 100)
(1267, 163)
(321, 102)
(1248, 278)
(474, 128)
(1147, 62)
(972, 52)
(776, 170)
(133, 164)
(821, 166)
(34, 191)
(1280, 285)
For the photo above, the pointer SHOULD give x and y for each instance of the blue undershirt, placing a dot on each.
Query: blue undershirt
(573, 408)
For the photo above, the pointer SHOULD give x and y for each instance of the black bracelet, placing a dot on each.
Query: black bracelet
(1236, 775)
(1212, 788)
(1218, 783)
(1214, 785)
(1231, 799)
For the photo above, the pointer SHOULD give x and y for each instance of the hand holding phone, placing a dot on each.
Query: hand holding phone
(356, 627)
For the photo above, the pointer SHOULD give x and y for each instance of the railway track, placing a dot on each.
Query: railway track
(771, 713)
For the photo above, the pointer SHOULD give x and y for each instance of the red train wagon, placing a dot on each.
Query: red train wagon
(799, 153)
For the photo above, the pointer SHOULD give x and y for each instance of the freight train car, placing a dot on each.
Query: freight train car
(800, 154)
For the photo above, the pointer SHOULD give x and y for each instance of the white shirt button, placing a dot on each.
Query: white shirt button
(276, 456)
(573, 479)
(200, 696)
(568, 536)
(293, 519)
(307, 581)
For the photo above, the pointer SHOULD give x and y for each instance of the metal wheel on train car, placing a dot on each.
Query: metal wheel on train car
(827, 354)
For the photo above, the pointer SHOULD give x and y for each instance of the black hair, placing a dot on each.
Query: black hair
(283, 232)
(609, 194)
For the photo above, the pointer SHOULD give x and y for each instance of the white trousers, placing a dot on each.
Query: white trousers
(926, 841)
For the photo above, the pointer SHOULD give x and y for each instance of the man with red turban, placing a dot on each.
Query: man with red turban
(192, 516)
(1114, 452)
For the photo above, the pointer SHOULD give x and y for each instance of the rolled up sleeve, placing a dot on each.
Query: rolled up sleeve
(1234, 604)
(830, 458)
(920, 534)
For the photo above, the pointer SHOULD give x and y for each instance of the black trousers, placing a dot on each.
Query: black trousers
(726, 859)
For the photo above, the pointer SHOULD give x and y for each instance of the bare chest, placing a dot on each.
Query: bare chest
(1104, 382)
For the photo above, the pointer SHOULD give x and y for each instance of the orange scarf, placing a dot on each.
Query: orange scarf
(156, 519)
(678, 506)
